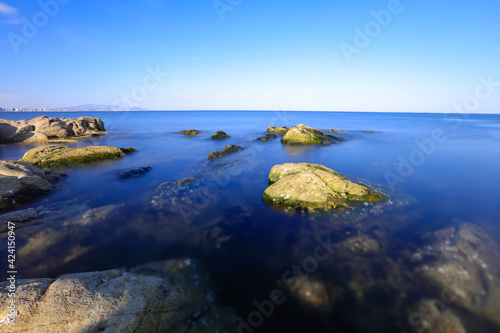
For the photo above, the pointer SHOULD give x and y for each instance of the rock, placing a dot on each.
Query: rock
(128, 150)
(302, 134)
(310, 293)
(43, 129)
(267, 137)
(219, 135)
(431, 316)
(371, 132)
(133, 173)
(53, 157)
(463, 261)
(166, 296)
(277, 130)
(21, 182)
(176, 195)
(190, 132)
(229, 149)
(362, 245)
(314, 187)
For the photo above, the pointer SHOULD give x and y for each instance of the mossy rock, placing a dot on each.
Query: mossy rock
(55, 157)
(190, 132)
(302, 134)
(226, 151)
(267, 137)
(314, 187)
(220, 135)
(277, 130)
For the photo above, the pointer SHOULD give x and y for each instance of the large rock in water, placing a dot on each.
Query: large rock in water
(229, 149)
(42, 129)
(307, 135)
(314, 187)
(54, 157)
(21, 182)
(166, 296)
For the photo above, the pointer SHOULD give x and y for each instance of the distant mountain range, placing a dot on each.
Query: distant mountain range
(99, 107)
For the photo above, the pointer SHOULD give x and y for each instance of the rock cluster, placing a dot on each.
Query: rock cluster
(43, 129)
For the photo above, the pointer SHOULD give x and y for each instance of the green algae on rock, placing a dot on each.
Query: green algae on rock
(314, 187)
(302, 134)
(220, 135)
(277, 130)
(54, 157)
(226, 151)
(190, 132)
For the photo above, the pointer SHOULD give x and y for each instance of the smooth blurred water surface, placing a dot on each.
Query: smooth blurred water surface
(457, 176)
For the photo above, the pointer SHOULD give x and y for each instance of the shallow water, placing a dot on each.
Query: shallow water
(438, 170)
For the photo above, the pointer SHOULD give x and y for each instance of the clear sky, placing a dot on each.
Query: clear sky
(252, 54)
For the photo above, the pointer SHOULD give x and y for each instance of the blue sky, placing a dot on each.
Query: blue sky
(251, 54)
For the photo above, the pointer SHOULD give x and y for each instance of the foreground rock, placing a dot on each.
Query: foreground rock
(43, 129)
(430, 316)
(229, 149)
(302, 134)
(21, 182)
(314, 187)
(277, 130)
(166, 296)
(219, 135)
(54, 157)
(190, 132)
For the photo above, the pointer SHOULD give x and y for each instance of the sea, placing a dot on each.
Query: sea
(440, 171)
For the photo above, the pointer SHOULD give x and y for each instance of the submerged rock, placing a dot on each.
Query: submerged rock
(311, 293)
(314, 187)
(307, 135)
(220, 135)
(190, 132)
(166, 296)
(133, 173)
(463, 262)
(431, 316)
(277, 130)
(21, 182)
(267, 137)
(43, 129)
(53, 157)
(229, 149)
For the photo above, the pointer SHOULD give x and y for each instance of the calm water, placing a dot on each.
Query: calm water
(437, 168)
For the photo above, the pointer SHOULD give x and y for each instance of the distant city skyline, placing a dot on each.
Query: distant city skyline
(386, 56)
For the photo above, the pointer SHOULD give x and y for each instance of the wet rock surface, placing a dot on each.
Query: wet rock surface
(165, 296)
(21, 182)
(314, 187)
(190, 132)
(266, 138)
(61, 156)
(277, 130)
(133, 173)
(43, 129)
(430, 316)
(302, 134)
(219, 135)
(229, 149)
